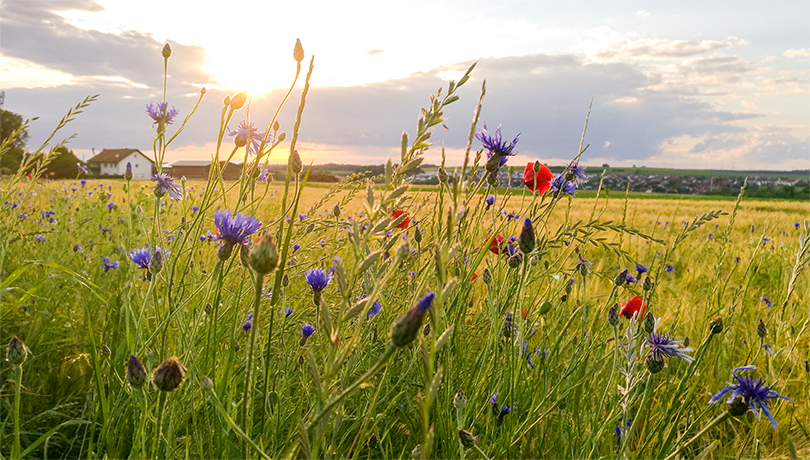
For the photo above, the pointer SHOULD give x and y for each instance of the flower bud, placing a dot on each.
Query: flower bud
(621, 278)
(16, 352)
(167, 51)
(508, 327)
(647, 284)
(264, 256)
(336, 211)
(169, 375)
(654, 362)
(238, 101)
(206, 383)
(404, 330)
(466, 438)
(459, 400)
(403, 251)
(526, 238)
(442, 174)
(136, 374)
(738, 405)
(493, 164)
(244, 255)
(285, 280)
(536, 167)
(281, 137)
(686, 342)
(298, 51)
(224, 252)
(545, 307)
(762, 331)
(295, 162)
(487, 276)
(156, 263)
(417, 235)
(515, 260)
(716, 325)
(128, 172)
(158, 190)
(492, 179)
(372, 441)
(613, 315)
(649, 322)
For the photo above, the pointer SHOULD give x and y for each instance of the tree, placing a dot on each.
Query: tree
(10, 159)
(63, 165)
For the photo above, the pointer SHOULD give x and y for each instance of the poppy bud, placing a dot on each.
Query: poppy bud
(264, 257)
(466, 438)
(613, 315)
(649, 322)
(647, 284)
(526, 238)
(716, 325)
(295, 162)
(298, 51)
(167, 51)
(136, 374)
(16, 352)
(762, 331)
(156, 263)
(621, 278)
(545, 307)
(336, 211)
(536, 167)
(487, 276)
(407, 326)
(459, 400)
(654, 362)
(169, 375)
(128, 172)
(238, 101)
(224, 252)
(226, 101)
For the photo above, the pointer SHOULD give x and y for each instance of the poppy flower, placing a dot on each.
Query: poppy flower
(496, 244)
(632, 307)
(395, 215)
(474, 276)
(541, 182)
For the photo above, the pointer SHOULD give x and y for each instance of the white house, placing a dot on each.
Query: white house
(113, 162)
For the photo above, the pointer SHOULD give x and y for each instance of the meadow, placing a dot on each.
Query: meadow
(268, 318)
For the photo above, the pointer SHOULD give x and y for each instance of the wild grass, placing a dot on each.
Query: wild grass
(536, 331)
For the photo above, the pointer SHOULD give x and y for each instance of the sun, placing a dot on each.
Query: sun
(238, 70)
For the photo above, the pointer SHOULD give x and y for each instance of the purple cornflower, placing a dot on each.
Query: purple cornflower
(109, 265)
(640, 268)
(194, 208)
(235, 229)
(579, 174)
(527, 355)
(796, 225)
(82, 168)
(630, 278)
(244, 135)
(494, 144)
(296, 247)
(669, 268)
(318, 279)
(559, 184)
(159, 113)
(142, 256)
(287, 312)
(663, 345)
(751, 392)
(40, 238)
(110, 206)
(490, 201)
(710, 235)
(248, 324)
(375, 309)
(306, 331)
(166, 184)
(766, 300)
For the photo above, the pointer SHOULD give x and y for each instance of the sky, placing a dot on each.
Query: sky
(684, 84)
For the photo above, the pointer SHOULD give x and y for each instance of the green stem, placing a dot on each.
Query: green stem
(157, 441)
(719, 419)
(224, 414)
(15, 449)
(246, 399)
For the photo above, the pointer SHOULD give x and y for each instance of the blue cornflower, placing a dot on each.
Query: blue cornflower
(166, 184)
(248, 134)
(579, 174)
(375, 309)
(235, 229)
(82, 168)
(302, 216)
(559, 184)
(750, 391)
(630, 278)
(796, 224)
(159, 113)
(248, 324)
(306, 331)
(640, 268)
(109, 265)
(296, 247)
(194, 208)
(318, 279)
(287, 312)
(527, 355)
(663, 345)
(110, 206)
(767, 301)
(490, 201)
(494, 144)
(669, 268)
(40, 238)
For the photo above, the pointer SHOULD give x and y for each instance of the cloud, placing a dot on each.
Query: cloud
(766, 145)
(801, 52)
(373, 52)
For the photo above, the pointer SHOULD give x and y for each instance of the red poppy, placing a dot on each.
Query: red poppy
(633, 306)
(524, 313)
(544, 178)
(395, 215)
(474, 276)
(496, 244)
(29, 175)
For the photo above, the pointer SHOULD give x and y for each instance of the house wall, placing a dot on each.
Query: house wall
(141, 166)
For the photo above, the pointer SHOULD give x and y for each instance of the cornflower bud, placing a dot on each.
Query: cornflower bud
(647, 284)
(244, 255)
(762, 331)
(487, 276)
(649, 322)
(136, 374)
(459, 400)
(372, 441)
(466, 438)
(156, 263)
(493, 164)
(282, 137)
(621, 278)
(295, 162)
(226, 101)
(169, 375)
(128, 172)
(298, 51)
(526, 238)
(336, 211)
(417, 235)
(654, 362)
(158, 190)
(224, 252)
(285, 280)
(264, 257)
(686, 342)
(716, 325)
(508, 326)
(16, 352)
(492, 179)
(403, 251)
(407, 326)
(238, 101)
(613, 315)
(515, 260)
(167, 51)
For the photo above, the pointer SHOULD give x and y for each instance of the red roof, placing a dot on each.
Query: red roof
(115, 155)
